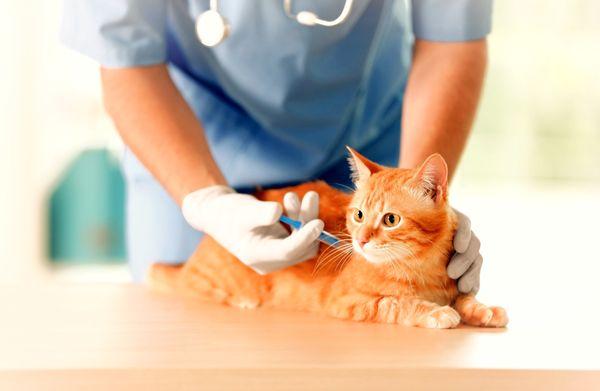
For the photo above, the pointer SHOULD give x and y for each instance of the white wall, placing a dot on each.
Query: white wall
(50, 109)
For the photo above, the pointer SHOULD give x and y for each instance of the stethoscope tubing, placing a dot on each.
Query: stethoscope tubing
(212, 28)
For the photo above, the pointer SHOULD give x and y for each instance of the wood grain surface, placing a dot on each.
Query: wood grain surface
(126, 337)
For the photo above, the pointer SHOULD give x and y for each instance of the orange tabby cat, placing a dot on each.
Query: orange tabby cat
(396, 231)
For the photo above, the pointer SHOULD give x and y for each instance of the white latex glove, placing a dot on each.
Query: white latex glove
(465, 264)
(249, 228)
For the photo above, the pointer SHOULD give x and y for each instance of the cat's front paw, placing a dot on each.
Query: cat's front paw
(440, 318)
(388, 310)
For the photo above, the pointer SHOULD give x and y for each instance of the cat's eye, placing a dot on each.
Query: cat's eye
(358, 215)
(391, 220)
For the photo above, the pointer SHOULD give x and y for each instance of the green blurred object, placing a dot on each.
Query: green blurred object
(86, 210)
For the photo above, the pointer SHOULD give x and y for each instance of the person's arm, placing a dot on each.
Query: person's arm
(160, 128)
(163, 132)
(443, 90)
(441, 99)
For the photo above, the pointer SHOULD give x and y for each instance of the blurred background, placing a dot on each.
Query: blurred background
(530, 179)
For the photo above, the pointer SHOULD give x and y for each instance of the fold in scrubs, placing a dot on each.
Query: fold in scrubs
(277, 100)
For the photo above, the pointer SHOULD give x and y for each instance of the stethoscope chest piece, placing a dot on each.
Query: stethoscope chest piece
(211, 28)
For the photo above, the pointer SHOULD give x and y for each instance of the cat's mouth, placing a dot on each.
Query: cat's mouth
(370, 251)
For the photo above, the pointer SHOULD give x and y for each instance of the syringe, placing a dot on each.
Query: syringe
(325, 236)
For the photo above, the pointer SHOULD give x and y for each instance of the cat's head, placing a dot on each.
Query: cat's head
(397, 214)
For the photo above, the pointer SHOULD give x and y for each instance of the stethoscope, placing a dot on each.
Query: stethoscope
(212, 28)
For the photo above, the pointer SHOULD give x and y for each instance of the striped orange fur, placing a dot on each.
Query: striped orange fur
(380, 273)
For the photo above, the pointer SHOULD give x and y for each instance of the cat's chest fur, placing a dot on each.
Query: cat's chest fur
(431, 283)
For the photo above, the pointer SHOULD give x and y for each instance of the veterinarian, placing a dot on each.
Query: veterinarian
(215, 98)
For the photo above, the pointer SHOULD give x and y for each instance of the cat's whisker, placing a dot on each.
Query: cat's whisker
(352, 190)
(330, 255)
(349, 258)
(343, 261)
(326, 257)
(341, 244)
(331, 261)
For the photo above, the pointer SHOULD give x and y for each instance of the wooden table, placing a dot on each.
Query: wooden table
(123, 336)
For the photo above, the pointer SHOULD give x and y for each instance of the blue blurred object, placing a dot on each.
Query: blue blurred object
(86, 210)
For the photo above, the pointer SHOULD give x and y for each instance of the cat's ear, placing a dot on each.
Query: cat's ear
(361, 167)
(432, 177)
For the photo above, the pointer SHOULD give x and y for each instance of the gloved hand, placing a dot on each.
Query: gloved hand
(465, 264)
(249, 228)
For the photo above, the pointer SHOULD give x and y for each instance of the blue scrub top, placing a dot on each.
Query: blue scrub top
(278, 100)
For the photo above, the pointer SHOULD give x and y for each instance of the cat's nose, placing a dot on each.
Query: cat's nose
(362, 242)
